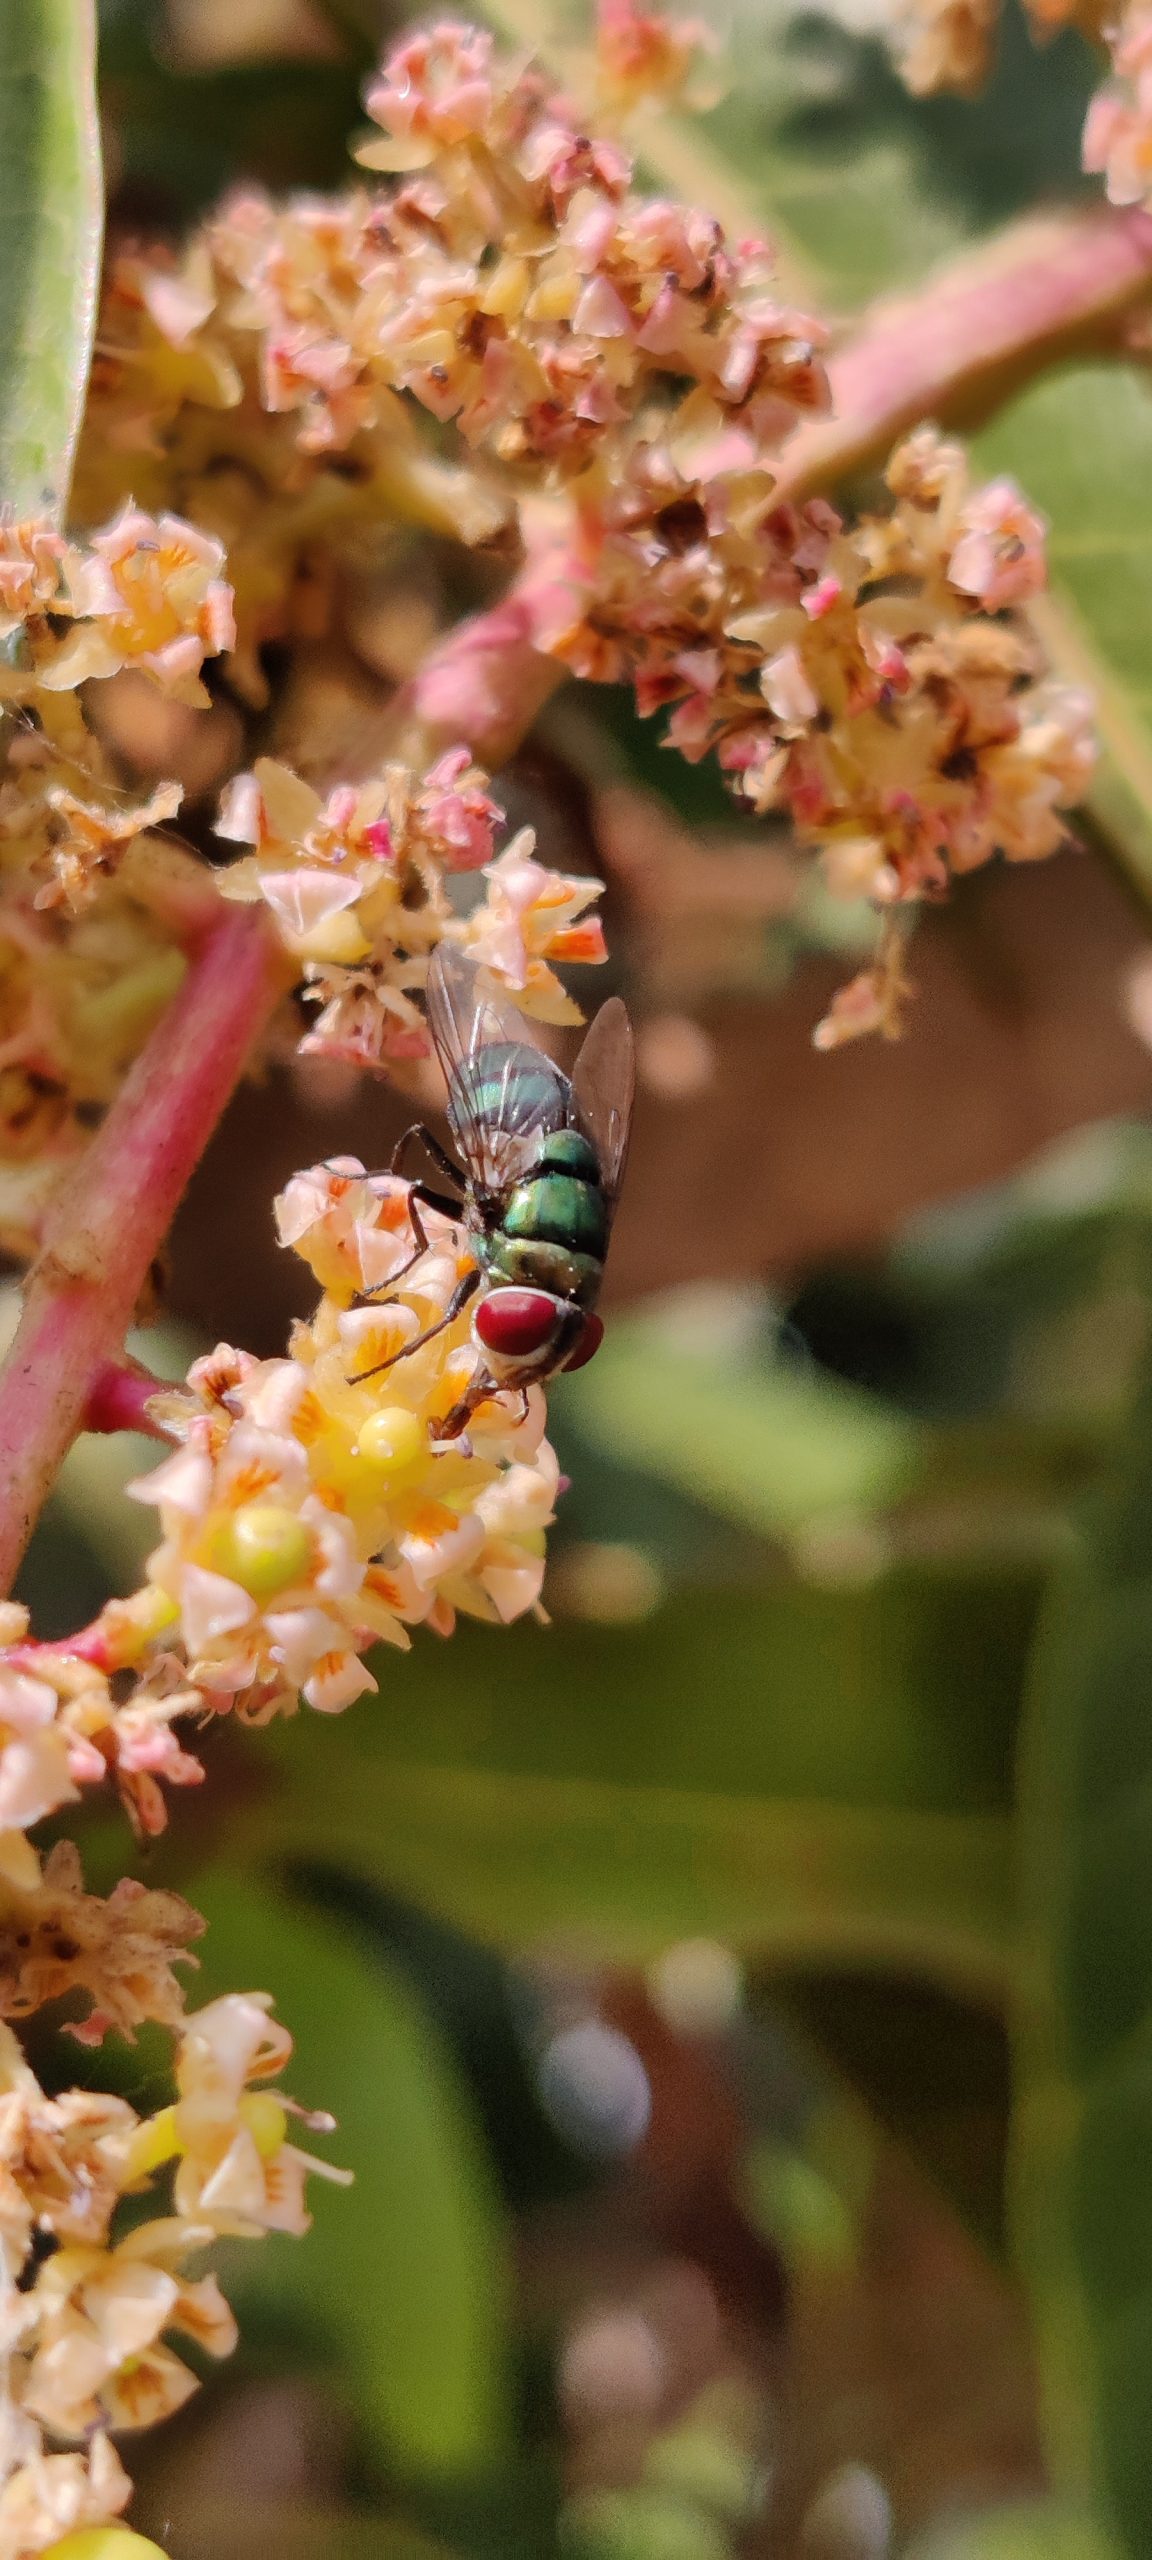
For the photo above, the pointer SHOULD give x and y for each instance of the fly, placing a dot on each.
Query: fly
(541, 1161)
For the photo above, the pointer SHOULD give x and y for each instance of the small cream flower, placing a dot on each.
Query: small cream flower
(237, 2172)
(119, 1951)
(1000, 555)
(99, 2318)
(46, 2496)
(35, 1771)
(531, 918)
(147, 594)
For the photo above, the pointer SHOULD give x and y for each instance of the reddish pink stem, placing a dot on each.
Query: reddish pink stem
(119, 1399)
(484, 686)
(106, 1230)
(1045, 291)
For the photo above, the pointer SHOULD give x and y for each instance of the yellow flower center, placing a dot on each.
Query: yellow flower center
(154, 2142)
(393, 1441)
(339, 939)
(264, 1547)
(266, 2121)
(104, 2542)
(158, 2139)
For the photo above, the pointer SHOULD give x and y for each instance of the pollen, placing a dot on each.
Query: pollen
(251, 1481)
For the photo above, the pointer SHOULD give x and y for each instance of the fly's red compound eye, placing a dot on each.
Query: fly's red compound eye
(517, 1323)
(588, 1343)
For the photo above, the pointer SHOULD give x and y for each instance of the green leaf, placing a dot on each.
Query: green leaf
(775, 1448)
(1036, 2531)
(930, 2070)
(404, 2276)
(817, 1775)
(51, 210)
(1080, 442)
(1085, 2121)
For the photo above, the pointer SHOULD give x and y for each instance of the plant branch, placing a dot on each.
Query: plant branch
(482, 687)
(1044, 292)
(107, 1228)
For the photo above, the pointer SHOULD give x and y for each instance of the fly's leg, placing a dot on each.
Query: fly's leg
(432, 1148)
(455, 1422)
(418, 1193)
(479, 1388)
(464, 1289)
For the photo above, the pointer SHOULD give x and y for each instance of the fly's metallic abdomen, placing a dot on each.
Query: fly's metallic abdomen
(531, 1262)
(556, 1209)
(554, 1229)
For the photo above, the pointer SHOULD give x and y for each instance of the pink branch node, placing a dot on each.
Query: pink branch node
(119, 1398)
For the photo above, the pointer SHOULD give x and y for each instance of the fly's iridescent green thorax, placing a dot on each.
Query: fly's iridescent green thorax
(505, 1085)
(552, 1228)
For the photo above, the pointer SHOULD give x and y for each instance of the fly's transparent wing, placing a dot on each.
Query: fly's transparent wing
(463, 1016)
(503, 1090)
(603, 1090)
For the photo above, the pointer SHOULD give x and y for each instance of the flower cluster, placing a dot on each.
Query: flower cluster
(193, 407)
(312, 1510)
(90, 898)
(88, 2302)
(509, 280)
(877, 682)
(357, 886)
(622, 352)
(521, 288)
(307, 1514)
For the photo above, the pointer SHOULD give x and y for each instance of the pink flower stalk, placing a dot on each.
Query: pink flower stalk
(108, 1228)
